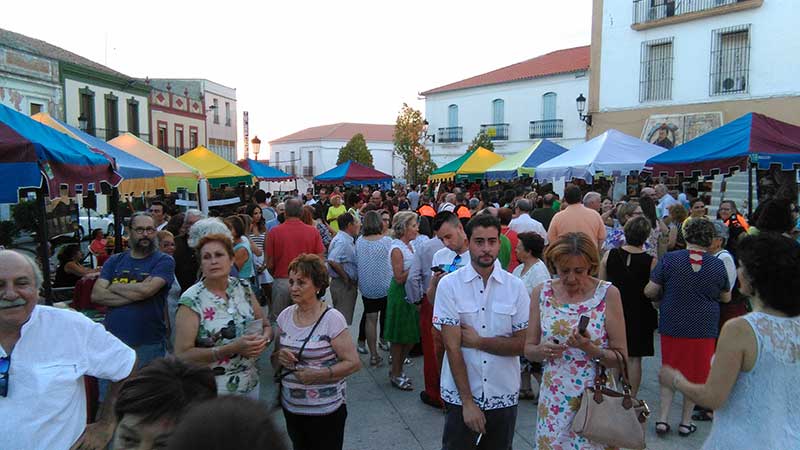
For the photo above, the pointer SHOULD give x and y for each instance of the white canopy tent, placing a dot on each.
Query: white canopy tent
(613, 153)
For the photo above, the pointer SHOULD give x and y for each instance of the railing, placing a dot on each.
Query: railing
(495, 131)
(540, 129)
(450, 134)
(308, 171)
(651, 10)
(290, 169)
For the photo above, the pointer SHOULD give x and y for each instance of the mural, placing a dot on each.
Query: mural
(671, 130)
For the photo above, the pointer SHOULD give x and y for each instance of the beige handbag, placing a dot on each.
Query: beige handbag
(609, 417)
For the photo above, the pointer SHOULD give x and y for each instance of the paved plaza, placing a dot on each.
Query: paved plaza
(382, 417)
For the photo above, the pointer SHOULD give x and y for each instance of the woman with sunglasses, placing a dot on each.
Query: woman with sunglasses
(219, 322)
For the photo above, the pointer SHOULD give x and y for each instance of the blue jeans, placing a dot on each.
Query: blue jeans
(144, 354)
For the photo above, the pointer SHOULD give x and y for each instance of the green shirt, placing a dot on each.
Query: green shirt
(504, 256)
(333, 213)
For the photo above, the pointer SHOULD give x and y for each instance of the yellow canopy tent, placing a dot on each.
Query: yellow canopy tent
(177, 173)
(471, 165)
(215, 169)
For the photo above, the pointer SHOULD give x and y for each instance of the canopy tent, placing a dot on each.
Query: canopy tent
(177, 173)
(29, 149)
(612, 153)
(138, 176)
(752, 137)
(262, 171)
(351, 173)
(471, 165)
(215, 169)
(525, 161)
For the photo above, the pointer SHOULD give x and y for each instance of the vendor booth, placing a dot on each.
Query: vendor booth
(217, 170)
(264, 172)
(469, 166)
(524, 162)
(178, 175)
(351, 173)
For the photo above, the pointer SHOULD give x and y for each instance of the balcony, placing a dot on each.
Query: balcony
(496, 131)
(290, 169)
(653, 13)
(450, 135)
(308, 171)
(541, 129)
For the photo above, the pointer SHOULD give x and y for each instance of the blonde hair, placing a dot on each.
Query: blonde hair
(400, 222)
(573, 244)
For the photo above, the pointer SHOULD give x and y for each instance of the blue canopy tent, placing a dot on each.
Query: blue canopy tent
(264, 172)
(351, 173)
(753, 140)
(525, 161)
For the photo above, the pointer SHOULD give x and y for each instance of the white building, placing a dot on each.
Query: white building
(312, 151)
(220, 112)
(670, 62)
(513, 105)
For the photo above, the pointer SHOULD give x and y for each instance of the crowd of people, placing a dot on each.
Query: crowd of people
(510, 296)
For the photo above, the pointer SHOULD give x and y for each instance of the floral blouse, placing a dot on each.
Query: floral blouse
(221, 323)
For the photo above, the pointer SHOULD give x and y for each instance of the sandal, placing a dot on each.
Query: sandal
(401, 383)
(526, 394)
(691, 427)
(375, 360)
(665, 428)
(703, 416)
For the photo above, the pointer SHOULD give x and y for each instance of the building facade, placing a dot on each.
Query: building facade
(513, 105)
(310, 152)
(178, 119)
(220, 113)
(29, 83)
(668, 71)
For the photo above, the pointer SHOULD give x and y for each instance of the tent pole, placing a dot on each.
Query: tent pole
(117, 220)
(749, 190)
(44, 251)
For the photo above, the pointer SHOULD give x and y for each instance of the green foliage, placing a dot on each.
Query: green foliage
(409, 133)
(481, 140)
(25, 214)
(356, 150)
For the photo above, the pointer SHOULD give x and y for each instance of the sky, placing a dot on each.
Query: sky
(298, 64)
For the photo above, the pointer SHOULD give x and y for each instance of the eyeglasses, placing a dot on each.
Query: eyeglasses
(5, 364)
(148, 230)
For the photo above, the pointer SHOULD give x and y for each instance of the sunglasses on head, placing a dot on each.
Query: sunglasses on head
(5, 364)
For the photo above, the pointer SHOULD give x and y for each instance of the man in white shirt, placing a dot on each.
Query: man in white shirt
(664, 200)
(413, 198)
(342, 266)
(44, 354)
(159, 216)
(482, 311)
(523, 222)
(449, 203)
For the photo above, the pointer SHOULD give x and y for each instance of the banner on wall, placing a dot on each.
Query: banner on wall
(670, 130)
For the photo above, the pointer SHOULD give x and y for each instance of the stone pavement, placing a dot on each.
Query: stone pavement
(382, 417)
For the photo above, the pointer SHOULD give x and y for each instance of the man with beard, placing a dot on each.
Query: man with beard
(134, 285)
(482, 312)
(44, 354)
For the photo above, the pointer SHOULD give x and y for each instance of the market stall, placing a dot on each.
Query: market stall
(351, 173)
(469, 166)
(524, 162)
(177, 173)
(217, 170)
(612, 153)
(264, 172)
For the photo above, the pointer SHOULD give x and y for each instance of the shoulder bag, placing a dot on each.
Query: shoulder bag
(282, 373)
(609, 417)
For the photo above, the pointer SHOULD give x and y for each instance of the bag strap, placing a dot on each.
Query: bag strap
(286, 372)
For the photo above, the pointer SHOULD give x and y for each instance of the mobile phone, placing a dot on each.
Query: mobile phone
(437, 269)
(582, 324)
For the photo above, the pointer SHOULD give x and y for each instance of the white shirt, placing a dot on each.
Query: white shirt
(730, 267)
(46, 404)
(446, 259)
(664, 204)
(161, 227)
(342, 250)
(525, 223)
(499, 309)
(447, 206)
(535, 276)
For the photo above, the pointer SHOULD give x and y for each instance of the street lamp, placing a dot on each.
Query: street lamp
(83, 123)
(256, 146)
(581, 104)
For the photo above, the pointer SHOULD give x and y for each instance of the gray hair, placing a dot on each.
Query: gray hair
(590, 197)
(721, 231)
(523, 205)
(138, 214)
(401, 221)
(293, 208)
(193, 213)
(204, 227)
(38, 278)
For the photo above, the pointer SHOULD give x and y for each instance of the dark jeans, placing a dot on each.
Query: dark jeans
(371, 306)
(316, 432)
(499, 435)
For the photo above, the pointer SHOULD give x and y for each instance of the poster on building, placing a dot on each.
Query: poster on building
(698, 124)
(671, 130)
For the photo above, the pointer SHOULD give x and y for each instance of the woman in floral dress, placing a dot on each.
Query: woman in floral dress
(553, 337)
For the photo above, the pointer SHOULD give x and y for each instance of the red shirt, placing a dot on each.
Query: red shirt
(289, 239)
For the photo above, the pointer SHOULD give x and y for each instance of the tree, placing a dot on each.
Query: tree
(409, 134)
(356, 150)
(481, 140)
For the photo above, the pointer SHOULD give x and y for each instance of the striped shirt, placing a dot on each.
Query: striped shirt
(311, 399)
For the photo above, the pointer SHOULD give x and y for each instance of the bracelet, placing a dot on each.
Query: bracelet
(214, 353)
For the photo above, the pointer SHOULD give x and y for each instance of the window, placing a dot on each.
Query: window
(133, 116)
(227, 114)
(549, 106)
(730, 60)
(192, 138)
(498, 111)
(216, 111)
(452, 116)
(162, 136)
(277, 159)
(35, 108)
(87, 109)
(291, 163)
(112, 117)
(179, 148)
(655, 72)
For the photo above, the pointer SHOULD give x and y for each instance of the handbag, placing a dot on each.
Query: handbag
(281, 373)
(609, 417)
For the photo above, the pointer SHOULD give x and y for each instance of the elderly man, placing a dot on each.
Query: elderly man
(592, 200)
(664, 200)
(342, 266)
(523, 222)
(134, 285)
(44, 354)
(449, 203)
(280, 213)
(186, 264)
